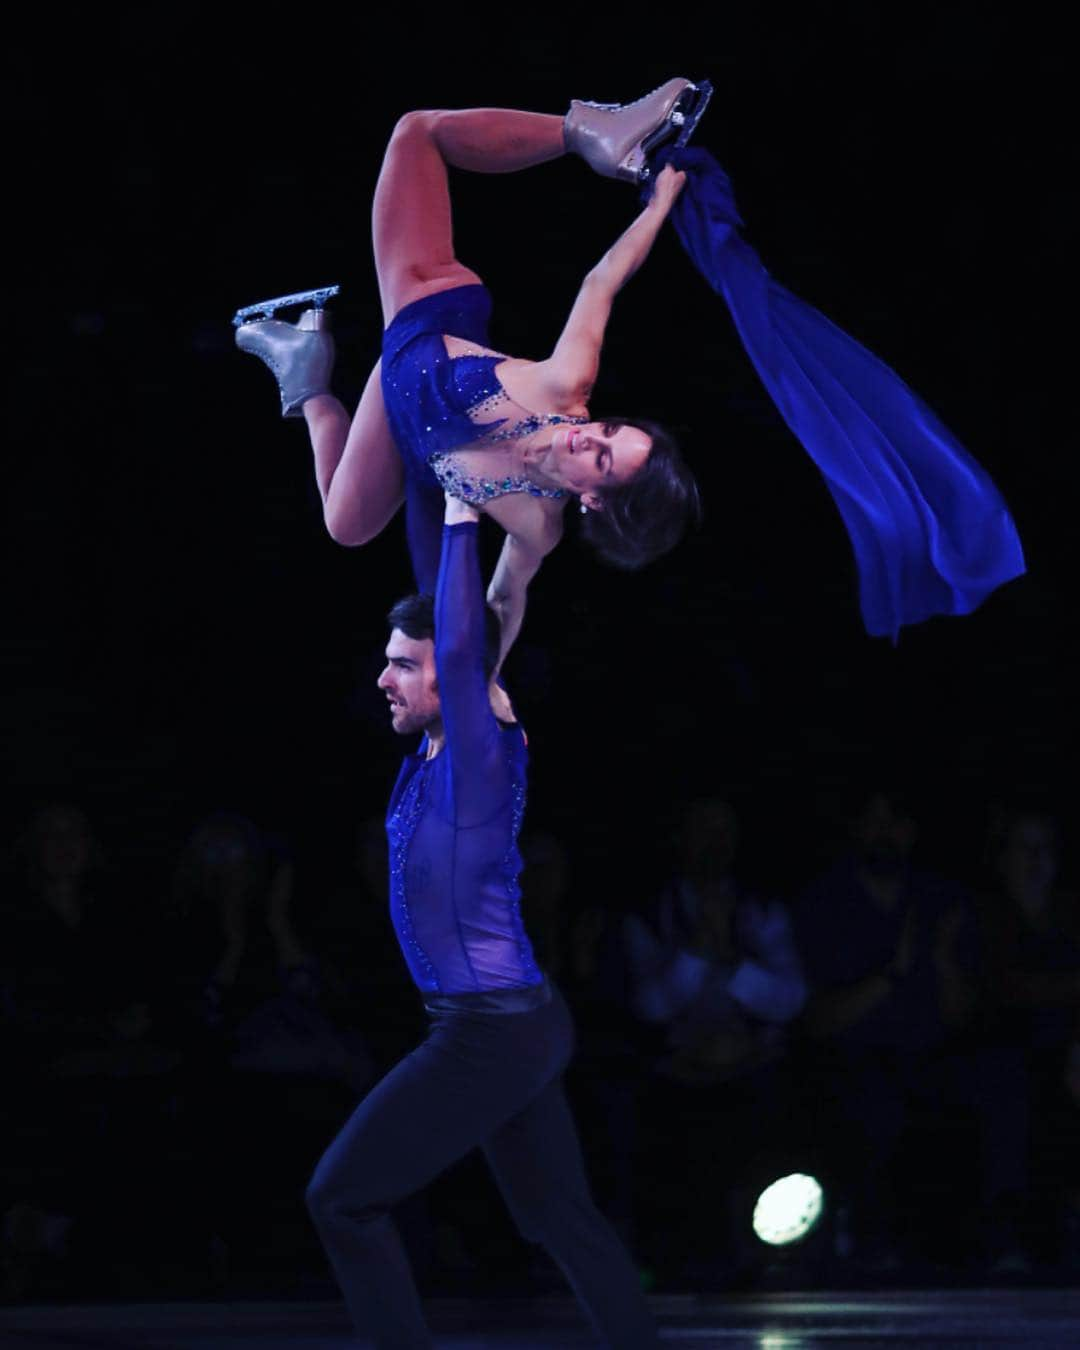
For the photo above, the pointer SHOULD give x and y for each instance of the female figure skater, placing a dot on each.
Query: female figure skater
(441, 410)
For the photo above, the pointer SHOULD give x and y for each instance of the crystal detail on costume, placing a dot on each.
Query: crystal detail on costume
(437, 403)
(454, 819)
(526, 426)
(512, 862)
(400, 828)
(478, 491)
(487, 405)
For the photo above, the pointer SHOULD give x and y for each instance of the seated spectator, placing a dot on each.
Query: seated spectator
(235, 968)
(360, 961)
(83, 1074)
(578, 941)
(716, 967)
(1031, 1026)
(68, 967)
(1032, 936)
(243, 995)
(889, 957)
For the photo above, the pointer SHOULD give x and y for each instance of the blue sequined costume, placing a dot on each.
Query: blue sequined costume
(453, 820)
(436, 403)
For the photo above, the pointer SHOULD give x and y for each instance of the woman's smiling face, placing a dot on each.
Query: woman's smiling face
(585, 459)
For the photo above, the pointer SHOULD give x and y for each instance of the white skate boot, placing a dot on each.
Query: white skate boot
(300, 355)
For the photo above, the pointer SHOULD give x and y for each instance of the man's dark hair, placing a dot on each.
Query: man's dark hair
(415, 616)
(647, 516)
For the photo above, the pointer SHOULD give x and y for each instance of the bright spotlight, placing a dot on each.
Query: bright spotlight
(788, 1209)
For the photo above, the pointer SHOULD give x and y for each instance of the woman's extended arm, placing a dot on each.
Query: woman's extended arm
(573, 365)
(518, 563)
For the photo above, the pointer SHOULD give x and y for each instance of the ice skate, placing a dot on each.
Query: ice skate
(300, 355)
(268, 308)
(617, 139)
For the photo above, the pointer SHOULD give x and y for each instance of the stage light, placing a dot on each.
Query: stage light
(788, 1209)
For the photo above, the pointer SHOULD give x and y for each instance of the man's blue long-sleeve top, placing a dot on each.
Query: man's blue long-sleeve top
(453, 819)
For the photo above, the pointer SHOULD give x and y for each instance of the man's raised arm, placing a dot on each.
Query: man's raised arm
(477, 763)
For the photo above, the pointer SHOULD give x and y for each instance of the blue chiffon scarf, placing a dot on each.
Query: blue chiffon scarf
(930, 530)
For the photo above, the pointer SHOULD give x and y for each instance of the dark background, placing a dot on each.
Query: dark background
(181, 637)
(180, 633)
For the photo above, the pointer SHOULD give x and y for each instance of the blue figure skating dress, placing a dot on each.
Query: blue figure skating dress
(437, 403)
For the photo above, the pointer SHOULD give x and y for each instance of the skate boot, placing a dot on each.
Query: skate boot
(301, 355)
(616, 139)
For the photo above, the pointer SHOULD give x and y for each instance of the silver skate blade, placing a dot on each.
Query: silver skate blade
(679, 124)
(267, 308)
(692, 116)
(683, 119)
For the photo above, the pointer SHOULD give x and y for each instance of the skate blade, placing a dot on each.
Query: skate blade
(680, 122)
(699, 101)
(267, 308)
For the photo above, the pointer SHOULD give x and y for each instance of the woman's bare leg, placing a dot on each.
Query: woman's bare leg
(412, 227)
(357, 467)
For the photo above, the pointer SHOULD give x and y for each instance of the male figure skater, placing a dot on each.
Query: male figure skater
(488, 1073)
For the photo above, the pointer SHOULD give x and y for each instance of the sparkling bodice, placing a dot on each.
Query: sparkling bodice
(443, 398)
(499, 422)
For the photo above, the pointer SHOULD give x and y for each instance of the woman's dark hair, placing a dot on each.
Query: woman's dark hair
(646, 517)
(414, 615)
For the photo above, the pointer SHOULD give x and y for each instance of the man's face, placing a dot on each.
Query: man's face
(409, 683)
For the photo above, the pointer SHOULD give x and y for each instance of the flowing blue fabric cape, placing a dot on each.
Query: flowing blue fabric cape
(930, 530)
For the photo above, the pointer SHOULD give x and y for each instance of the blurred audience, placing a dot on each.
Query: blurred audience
(236, 968)
(71, 975)
(716, 967)
(889, 1034)
(364, 978)
(1030, 1063)
(82, 1070)
(244, 994)
(579, 941)
(890, 955)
